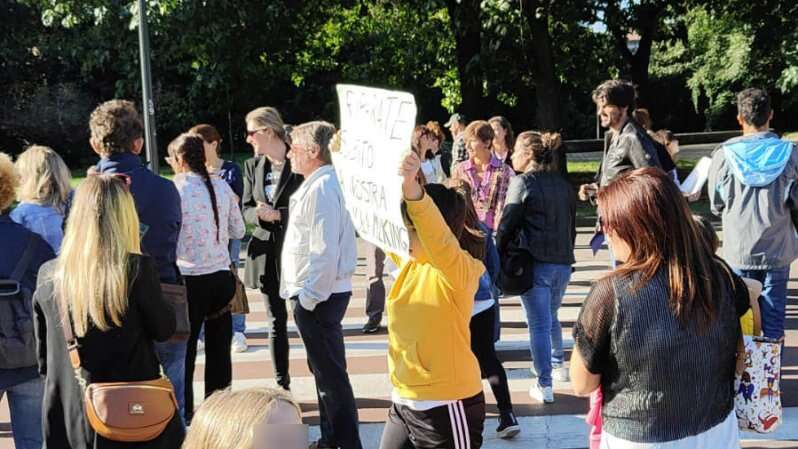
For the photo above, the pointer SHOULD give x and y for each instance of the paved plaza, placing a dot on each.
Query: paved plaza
(559, 425)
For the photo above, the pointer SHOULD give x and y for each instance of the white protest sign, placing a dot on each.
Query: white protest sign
(697, 178)
(376, 126)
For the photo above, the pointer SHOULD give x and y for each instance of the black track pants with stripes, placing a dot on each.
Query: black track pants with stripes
(454, 426)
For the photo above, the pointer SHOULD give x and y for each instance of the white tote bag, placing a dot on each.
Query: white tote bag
(757, 398)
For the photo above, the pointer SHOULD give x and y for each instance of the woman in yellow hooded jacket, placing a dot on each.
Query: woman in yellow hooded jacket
(437, 395)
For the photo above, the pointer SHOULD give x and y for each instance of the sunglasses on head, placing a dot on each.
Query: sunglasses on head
(126, 180)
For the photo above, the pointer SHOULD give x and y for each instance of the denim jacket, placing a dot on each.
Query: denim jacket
(47, 221)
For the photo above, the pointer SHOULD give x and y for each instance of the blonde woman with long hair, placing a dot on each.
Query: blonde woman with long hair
(254, 418)
(269, 183)
(43, 193)
(112, 296)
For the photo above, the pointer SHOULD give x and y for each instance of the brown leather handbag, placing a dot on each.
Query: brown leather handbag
(240, 303)
(175, 294)
(128, 412)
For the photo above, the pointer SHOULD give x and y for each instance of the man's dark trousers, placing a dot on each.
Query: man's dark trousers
(324, 342)
(375, 292)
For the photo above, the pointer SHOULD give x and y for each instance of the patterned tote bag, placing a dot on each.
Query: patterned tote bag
(757, 398)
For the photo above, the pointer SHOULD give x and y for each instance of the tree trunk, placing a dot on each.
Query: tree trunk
(547, 88)
(464, 19)
(646, 23)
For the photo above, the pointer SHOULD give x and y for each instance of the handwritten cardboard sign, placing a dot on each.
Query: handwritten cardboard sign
(376, 126)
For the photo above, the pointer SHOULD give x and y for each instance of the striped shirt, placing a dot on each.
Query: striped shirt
(488, 189)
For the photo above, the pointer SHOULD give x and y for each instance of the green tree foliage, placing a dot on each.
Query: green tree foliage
(788, 80)
(715, 60)
(720, 56)
(383, 45)
(534, 61)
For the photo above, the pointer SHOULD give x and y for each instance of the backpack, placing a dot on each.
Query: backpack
(17, 341)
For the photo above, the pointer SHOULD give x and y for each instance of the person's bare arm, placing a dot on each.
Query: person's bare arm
(411, 189)
(583, 381)
(754, 290)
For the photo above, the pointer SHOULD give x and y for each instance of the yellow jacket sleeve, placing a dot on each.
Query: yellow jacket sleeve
(440, 245)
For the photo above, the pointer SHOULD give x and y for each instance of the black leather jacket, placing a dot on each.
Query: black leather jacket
(543, 206)
(631, 148)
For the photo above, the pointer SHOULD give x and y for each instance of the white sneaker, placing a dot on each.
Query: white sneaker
(200, 346)
(561, 374)
(239, 343)
(541, 394)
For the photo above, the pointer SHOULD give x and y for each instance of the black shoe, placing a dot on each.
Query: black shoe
(372, 326)
(508, 426)
(319, 445)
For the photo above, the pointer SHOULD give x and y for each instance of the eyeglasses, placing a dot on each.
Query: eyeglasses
(249, 133)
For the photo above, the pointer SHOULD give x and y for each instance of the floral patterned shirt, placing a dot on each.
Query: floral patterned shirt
(198, 249)
(489, 193)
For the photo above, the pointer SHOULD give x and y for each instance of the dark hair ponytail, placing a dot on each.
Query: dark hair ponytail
(543, 147)
(188, 146)
(453, 205)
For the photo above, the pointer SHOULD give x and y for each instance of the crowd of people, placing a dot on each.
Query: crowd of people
(94, 279)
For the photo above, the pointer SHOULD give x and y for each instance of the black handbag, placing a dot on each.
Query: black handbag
(517, 266)
(175, 294)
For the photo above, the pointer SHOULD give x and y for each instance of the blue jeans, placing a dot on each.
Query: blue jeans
(239, 320)
(173, 359)
(557, 352)
(773, 300)
(25, 405)
(541, 303)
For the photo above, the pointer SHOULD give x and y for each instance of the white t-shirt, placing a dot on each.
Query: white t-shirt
(725, 435)
(418, 406)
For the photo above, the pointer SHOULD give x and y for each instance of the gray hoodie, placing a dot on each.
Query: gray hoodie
(752, 187)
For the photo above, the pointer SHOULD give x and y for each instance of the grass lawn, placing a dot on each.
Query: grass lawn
(579, 172)
(78, 174)
(582, 172)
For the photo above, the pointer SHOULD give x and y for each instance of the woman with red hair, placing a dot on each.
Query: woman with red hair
(662, 329)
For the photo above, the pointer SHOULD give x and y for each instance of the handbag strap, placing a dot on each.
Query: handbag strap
(73, 345)
(69, 336)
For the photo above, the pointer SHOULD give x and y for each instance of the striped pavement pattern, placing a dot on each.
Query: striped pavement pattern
(367, 364)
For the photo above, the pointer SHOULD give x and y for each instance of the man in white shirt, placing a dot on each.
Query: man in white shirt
(318, 259)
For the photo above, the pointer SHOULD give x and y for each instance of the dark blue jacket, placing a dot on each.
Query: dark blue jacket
(14, 239)
(158, 206)
(231, 173)
(491, 261)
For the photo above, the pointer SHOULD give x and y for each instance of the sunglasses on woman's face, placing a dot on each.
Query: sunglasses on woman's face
(252, 133)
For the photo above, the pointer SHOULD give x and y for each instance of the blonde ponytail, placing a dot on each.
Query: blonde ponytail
(93, 270)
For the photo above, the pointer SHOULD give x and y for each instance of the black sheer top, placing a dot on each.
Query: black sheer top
(661, 379)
